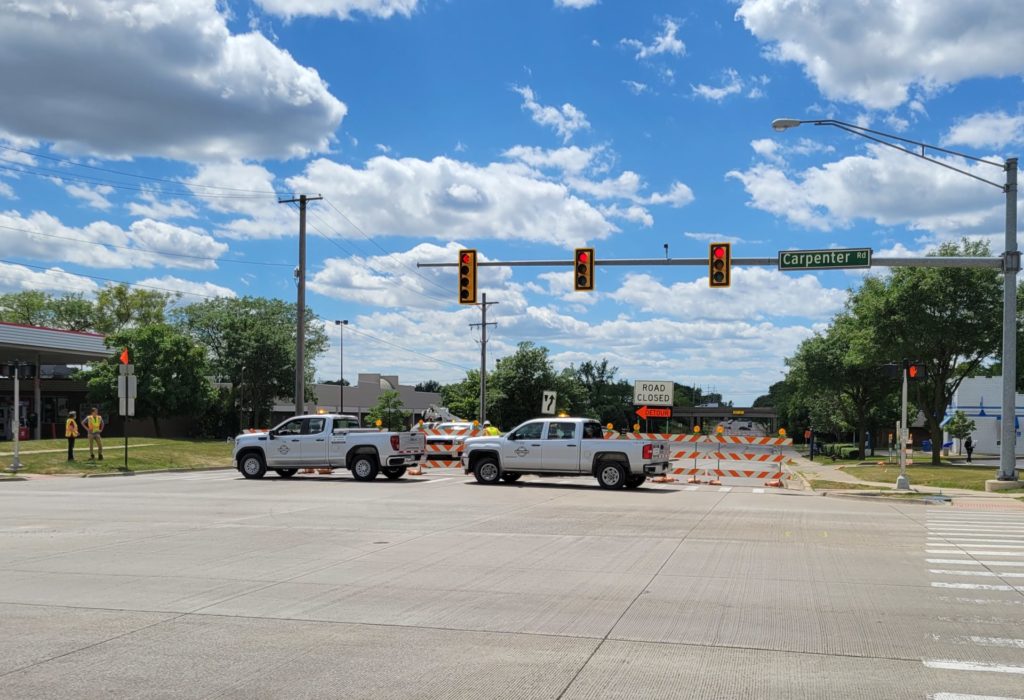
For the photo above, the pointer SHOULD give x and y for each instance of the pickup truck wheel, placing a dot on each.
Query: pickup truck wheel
(510, 478)
(287, 473)
(487, 471)
(635, 481)
(252, 466)
(364, 467)
(394, 472)
(611, 475)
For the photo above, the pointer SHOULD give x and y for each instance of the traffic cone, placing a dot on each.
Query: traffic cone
(774, 483)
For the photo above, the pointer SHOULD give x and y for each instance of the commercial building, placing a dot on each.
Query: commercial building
(362, 397)
(980, 398)
(46, 398)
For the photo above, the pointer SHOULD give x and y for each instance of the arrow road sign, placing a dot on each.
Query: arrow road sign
(646, 412)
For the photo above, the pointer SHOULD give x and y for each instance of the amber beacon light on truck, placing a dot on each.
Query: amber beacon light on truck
(719, 265)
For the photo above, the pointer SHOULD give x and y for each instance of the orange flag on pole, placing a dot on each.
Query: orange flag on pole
(124, 356)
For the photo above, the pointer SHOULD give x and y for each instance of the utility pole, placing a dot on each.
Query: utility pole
(483, 354)
(300, 327)
(902, 482)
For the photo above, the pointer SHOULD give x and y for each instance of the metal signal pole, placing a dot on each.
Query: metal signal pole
(300, 326)
(483, 354)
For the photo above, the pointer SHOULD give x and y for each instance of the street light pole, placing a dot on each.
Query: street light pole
(1011, 266)
(341, 364)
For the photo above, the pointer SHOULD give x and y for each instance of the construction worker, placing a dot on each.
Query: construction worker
(71, 432)
(93, 424)
(490, 429)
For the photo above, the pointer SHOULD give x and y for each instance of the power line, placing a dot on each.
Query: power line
(50, 173)
(144, 249)
(382, 248)
(402, 347)
(107, 279)
(127, 174)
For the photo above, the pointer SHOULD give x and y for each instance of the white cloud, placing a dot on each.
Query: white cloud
(885, 186)
(153, 208)
(570, 159)
(187, 287)
(197, 90)
(565, 120)
(91, 245)
(18, 278)
(898, 47)
(7, 191)
(95, 196)
(576, 4)
(756, 293)
(341, 9)
(732, 84)
(635, 87)
(665, 43)
(678, 195)
(634, 213)
(629, 185)
(716, 238)
(448, 199)
(776, 151)
(987, 130)
(263, 217)
(383, 148)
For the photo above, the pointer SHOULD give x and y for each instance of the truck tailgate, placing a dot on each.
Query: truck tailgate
(411, 442)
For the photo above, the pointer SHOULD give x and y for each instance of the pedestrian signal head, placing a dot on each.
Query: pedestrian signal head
(467, 276)
(583, 270)
(916, 370)
(720, 265)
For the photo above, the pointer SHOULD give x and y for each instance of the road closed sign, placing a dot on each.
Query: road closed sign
(653, 393)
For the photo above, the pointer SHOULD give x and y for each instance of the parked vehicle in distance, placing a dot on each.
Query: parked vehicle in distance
(328, 441)
(564, 447)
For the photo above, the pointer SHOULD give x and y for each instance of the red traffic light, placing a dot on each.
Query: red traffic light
(583, 278)
(719, 252)
(719, 265)
(916, 370)
(466, 257)
(583, 257)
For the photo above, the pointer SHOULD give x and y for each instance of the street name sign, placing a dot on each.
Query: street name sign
(646, 412)
(833, 259)
(653, 392)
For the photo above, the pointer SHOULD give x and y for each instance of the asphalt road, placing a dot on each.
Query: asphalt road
(209, 586)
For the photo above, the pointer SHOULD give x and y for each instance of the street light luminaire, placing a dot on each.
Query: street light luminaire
(783, 124)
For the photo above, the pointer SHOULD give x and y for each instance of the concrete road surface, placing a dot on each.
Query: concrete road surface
(209, 586)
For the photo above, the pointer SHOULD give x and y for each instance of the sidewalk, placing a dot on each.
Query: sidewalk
(828, 472)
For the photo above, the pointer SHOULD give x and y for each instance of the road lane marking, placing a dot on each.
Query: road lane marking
(975, 552)
(978, 543)
(961, 696)
(975, 586)
(951, 665)
(964, 572)
(438, 481)
(692, 488)
(725, 489)
(758, 490)
(1001, 642)
(975, 561)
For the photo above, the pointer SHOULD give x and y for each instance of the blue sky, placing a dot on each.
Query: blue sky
(137, 134)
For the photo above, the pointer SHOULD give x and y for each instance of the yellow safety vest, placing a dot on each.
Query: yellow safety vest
(71, 428)
(93, 423)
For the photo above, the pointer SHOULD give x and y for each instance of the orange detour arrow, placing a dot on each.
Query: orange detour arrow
(642, 412)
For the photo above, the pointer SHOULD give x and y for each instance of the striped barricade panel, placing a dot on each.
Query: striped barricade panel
(440, 464)
(750, 440)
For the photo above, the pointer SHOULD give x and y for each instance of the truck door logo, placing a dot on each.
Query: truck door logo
(522, 451)
(283, 449)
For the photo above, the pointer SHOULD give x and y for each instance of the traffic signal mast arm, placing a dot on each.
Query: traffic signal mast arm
(982, 262)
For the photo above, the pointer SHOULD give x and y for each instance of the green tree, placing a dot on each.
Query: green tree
(431, 385)
(949, 318)
(250, 343)
(388, 410)
(607, 399)
(463, 398)
(72, 312)
(171, 369)
(519, 381)
(27, 308)
(960, 426)
(120, 306)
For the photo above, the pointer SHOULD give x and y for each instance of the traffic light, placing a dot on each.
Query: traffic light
(583, 278)
(467, 276)
(720, 265)
(916, 370)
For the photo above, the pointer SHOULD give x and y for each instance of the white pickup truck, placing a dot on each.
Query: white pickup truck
(564, 447)
(327, 442)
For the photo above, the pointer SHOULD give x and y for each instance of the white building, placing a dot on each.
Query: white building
(981, 398)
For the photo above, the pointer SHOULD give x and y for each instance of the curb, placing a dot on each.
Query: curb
(12, 478)
(169, 470)
(880, 498)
